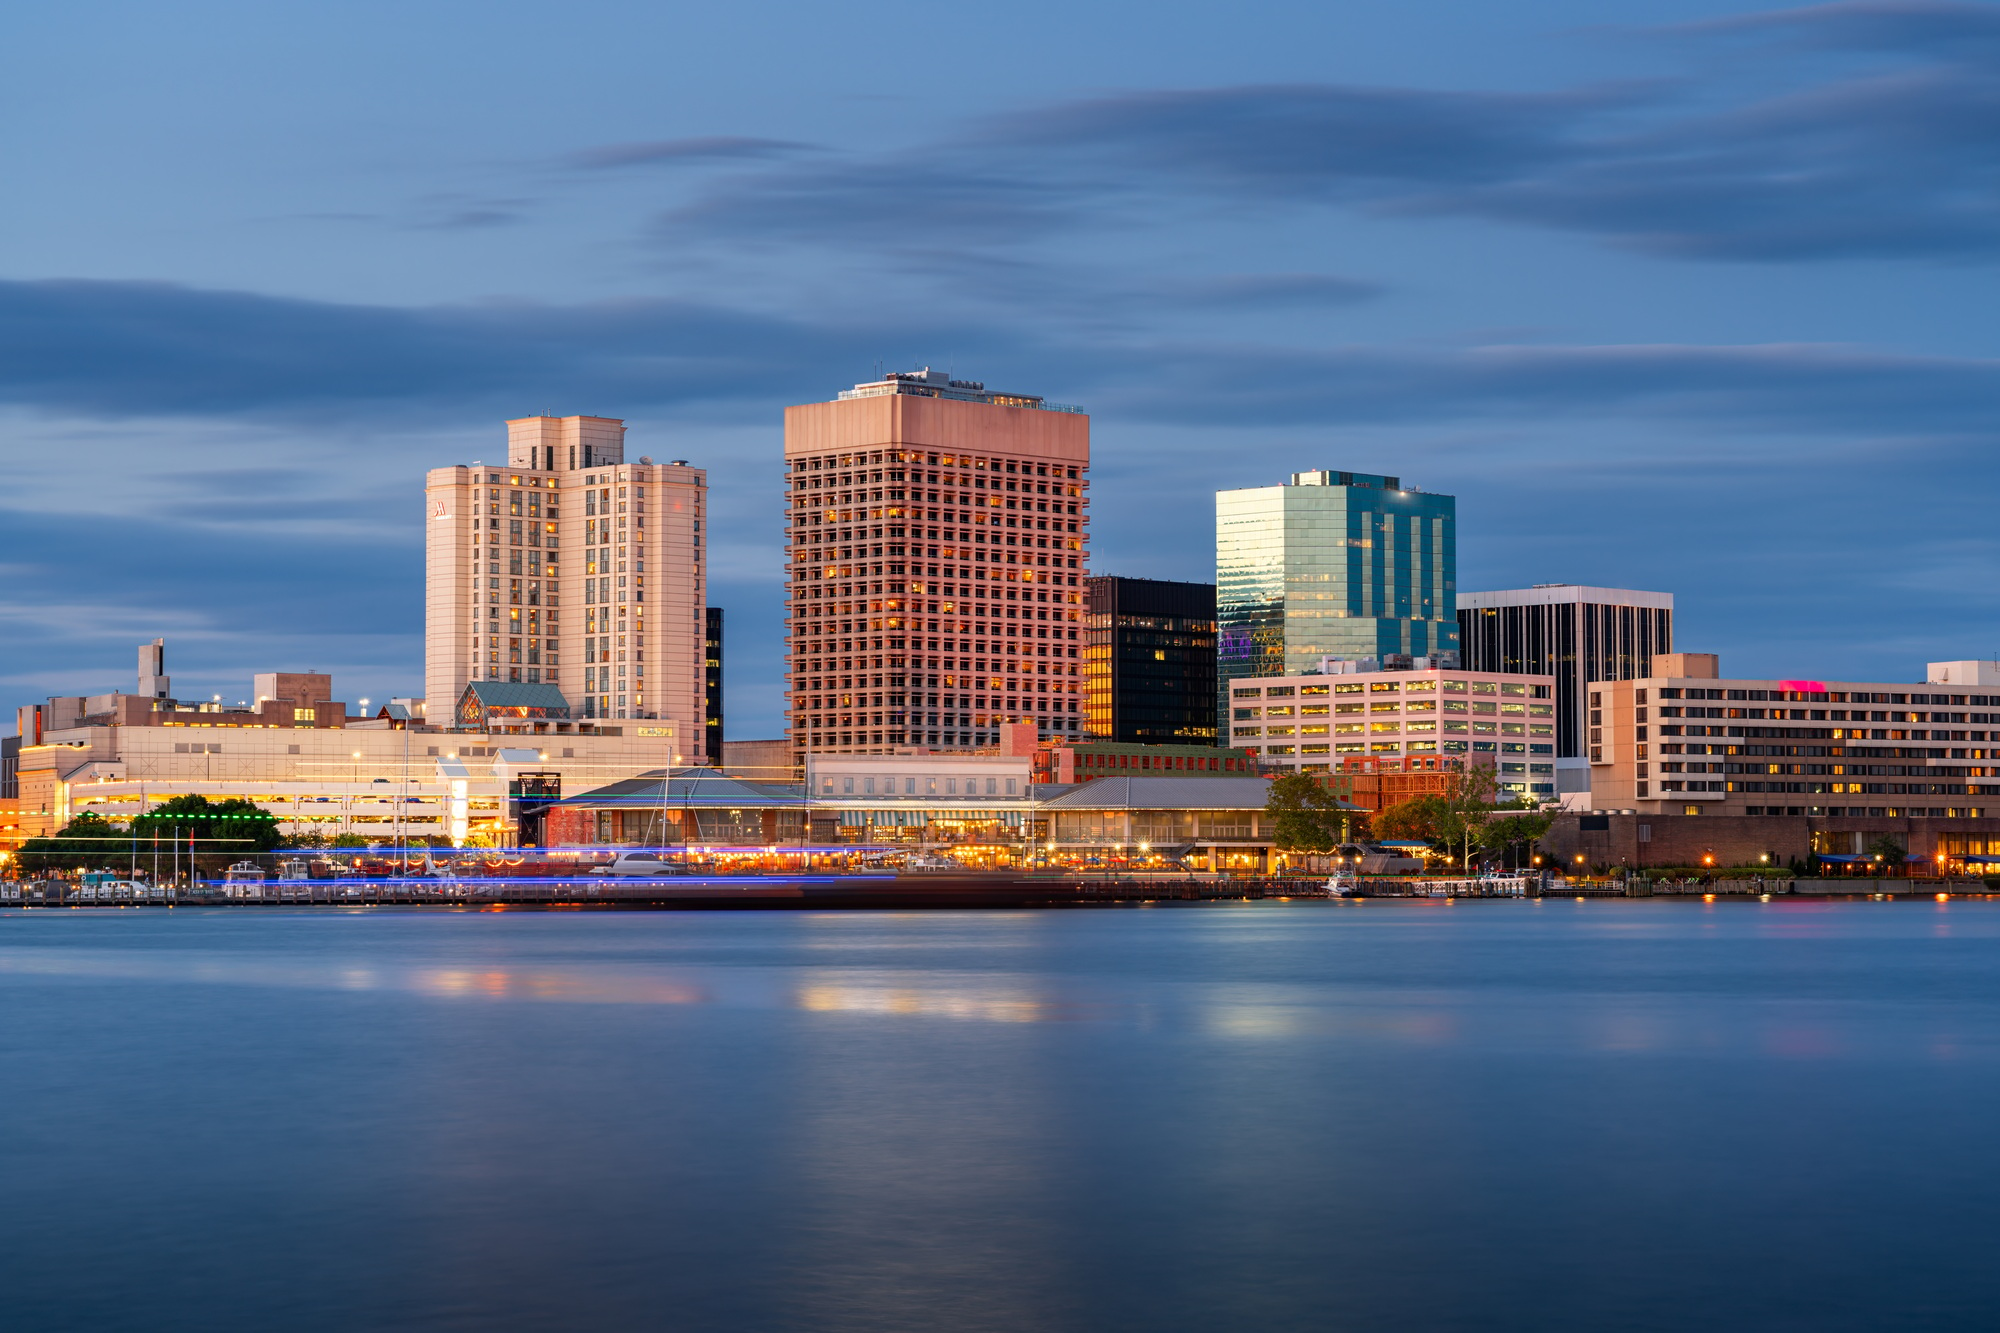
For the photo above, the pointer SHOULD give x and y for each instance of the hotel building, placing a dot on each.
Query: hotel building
(1332, 564)
(937, 543)
(1681, 740)
(1310, 723)
(570, 567)
(1149, 661)
(1578, 635)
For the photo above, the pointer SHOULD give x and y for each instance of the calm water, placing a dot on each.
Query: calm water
(1621, 1115)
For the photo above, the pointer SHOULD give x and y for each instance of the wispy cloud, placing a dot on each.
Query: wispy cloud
(111, 349)
(1828, 389)
(130, 348)
(1811, 158)
(888, 202)
(1943, 27)
(1260, 291)
(674, 152)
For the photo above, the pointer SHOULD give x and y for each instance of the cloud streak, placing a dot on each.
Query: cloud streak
(678, 152)
(105, 348)
(112, 349)
(1811, 159)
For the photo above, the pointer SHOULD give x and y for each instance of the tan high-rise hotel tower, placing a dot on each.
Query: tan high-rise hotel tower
(937, 543)
(573, 568)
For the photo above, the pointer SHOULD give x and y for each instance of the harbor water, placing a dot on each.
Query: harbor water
(1648, 1115)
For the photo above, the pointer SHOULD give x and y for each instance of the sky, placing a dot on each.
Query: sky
(1696, 298)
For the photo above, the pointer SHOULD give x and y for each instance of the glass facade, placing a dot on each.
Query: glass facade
(1578, 635)
(712, 688)
(1149, 661)
(1334, 564)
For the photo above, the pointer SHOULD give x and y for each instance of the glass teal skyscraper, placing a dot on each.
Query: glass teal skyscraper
(1333, 564)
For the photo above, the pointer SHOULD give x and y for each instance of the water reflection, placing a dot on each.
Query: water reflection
(574, 985)
(932, 1001)
(1282, 1116)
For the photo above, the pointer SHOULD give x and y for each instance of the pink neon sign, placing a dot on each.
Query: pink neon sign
(1804, 686)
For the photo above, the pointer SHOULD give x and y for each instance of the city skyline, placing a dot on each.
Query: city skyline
(1571, 280)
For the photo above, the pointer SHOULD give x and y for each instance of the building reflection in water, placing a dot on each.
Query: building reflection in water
(923, 1152)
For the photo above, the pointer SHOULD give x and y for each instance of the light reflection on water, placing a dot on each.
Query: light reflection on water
(573, 985)
(1556, 1115)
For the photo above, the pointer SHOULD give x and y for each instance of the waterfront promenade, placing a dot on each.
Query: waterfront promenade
(944, 891)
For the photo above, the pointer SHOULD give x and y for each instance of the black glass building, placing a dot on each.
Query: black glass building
(1578, 635)
(1149, 661)
(712, 688)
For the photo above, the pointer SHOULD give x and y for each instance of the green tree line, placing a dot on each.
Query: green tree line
(1464, 821)
(221, 831)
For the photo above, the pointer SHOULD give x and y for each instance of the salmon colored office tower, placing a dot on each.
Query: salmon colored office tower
(938, 541)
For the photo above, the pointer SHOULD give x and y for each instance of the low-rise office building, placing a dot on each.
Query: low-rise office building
(1374, 783)
(1308, 723)
(1083, 761)
(1686, 741)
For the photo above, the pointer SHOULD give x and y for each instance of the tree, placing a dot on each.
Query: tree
(1466, 823)
(87, 842)
(1515, 830)
(221, 831)
(1305, 816)
(1417, 819)
(1888, 849)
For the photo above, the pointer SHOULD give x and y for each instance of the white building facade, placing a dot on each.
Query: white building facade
(570, 567)
(371, 781)
(1311, 723)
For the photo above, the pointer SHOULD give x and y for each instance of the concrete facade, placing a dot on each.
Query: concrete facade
(341, 774)
(759, 761)
(1686, 741)
(937, 541)
(1310, 723)
(570, 567)
(1615, 839)
(1087, 760)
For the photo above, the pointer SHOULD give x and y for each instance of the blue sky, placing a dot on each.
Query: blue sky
(1671, 296)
